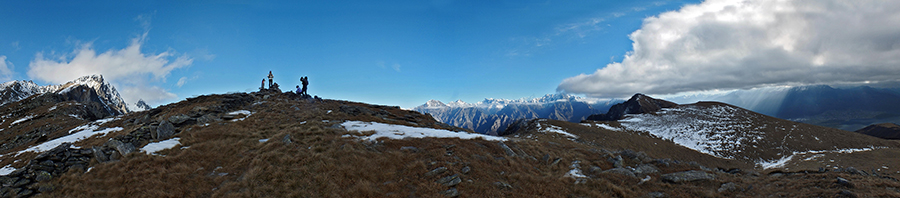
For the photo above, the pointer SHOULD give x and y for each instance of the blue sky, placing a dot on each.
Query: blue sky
(398, 53)
(407, 52)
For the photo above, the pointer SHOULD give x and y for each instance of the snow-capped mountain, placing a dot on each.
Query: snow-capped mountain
(492, 115)
(75, 90)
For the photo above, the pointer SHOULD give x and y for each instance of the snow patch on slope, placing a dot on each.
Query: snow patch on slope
(779, 163)
(6, 170)
(397, 132)
(556, 129)
(152, 148)
(76, 134)
(26, 118)
(715, 130)
(600, 125)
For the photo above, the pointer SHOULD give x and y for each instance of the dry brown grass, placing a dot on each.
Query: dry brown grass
(227, 159)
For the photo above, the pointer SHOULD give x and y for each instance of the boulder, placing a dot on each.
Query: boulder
(165, 130)
(728, 187)
(178, 119)
(452, 192)
(436, 171)
(687, 176)
(509, 151)
(121, 147)
(621, 171)
(844, 182)
(451, 180)
(646, 169)
(465, 170)
(42, 176)
(100, 155)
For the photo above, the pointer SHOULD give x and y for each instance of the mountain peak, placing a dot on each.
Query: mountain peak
(434, 103)
(104, 92)
(639, 103)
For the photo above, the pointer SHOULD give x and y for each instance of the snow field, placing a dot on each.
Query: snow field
(397, 132)
(152, 148)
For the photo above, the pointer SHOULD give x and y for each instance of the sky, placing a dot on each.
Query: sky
(405, 53)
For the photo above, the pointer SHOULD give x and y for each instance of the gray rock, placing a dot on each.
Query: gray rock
(208, 118)
(45, 188)
(100, 155)
(286, 139)
(21, 182)
(410, 149)
(616, 161)
(436, 171)
(178, 119)
(452, 192)
(42, 176)
(728, 187)
(451, 180)
(844, 182)
(502, 185)
(656, 195)
(509, 151)
(121, 147)
(621, 171)
(25, 193)
(555, 161)
(595, 169)
(687, 176)
(855, 171)
(465, 170)
(646, 169)
(846, 193)
(165, 130)
(7, 181)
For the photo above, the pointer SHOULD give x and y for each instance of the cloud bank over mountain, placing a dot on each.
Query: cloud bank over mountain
(130, 69)
(737, 44)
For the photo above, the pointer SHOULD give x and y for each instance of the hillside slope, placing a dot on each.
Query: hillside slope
(267, 144)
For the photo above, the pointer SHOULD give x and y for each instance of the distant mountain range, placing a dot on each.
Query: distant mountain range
(492, 115)
(842, 108)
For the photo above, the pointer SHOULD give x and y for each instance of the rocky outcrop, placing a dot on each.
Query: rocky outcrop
(27, 181)
(639, 103)
(889, 131)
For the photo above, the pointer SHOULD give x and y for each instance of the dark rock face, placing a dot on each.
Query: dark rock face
(639, 103)
(889, 131)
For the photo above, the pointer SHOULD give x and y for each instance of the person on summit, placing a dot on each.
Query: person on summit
(298, 90)
(262, 85)
(270, 79)
(305, 81)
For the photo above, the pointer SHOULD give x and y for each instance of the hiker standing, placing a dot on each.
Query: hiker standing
(305, 81)
(262, 85)
(270, 79)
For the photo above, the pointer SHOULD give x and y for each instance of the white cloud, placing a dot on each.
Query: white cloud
(129, 69)
(181, 81)
(5, 69)
(396, 67)
(732, 44)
